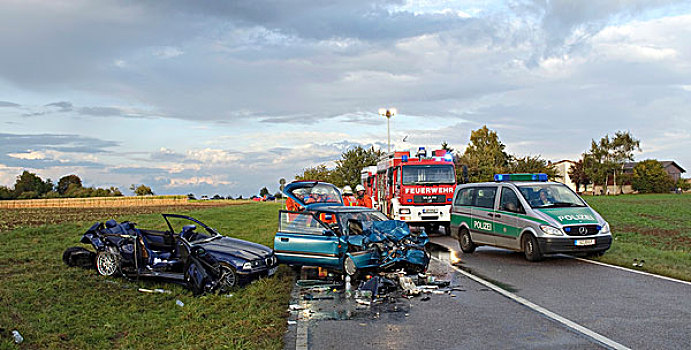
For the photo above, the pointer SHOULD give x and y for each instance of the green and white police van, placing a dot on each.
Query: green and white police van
(527, 213)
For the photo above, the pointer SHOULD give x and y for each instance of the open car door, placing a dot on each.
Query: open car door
(303, 239)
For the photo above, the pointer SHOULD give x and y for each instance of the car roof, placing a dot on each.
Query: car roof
(517, 183)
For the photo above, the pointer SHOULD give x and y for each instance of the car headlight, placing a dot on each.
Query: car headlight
(247, 266)
(605, 229)
(552, 231)
(404, 211)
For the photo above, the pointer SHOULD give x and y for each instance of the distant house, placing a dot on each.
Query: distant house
(561, 169)
(671, 167)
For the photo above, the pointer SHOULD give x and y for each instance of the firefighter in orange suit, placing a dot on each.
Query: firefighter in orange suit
(349, 199)
(363, 200)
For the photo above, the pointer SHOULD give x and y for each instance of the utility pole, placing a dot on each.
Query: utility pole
(388, 113)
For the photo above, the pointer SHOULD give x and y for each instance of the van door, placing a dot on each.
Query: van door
(482, 229)
(506, 219)
(302, 239)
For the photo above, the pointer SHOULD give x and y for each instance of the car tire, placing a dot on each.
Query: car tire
(349, 268)
(465, 241)
(107, 263)
(531, 249)
(228, 279)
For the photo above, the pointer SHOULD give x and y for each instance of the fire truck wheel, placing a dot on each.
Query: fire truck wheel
(447, 229)
(467, 245)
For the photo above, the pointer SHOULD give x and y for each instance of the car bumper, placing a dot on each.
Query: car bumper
(549, 245)
(255, 274)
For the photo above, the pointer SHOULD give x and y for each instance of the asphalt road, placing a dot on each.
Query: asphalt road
(474, 318)
(635, 310)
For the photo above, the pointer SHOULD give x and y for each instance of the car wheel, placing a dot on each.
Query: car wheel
(107, 263)
(464, 240)
(349, 267)
(531, 249)
(228, 279)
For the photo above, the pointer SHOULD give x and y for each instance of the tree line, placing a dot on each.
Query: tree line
(30, 186)
(485, 155)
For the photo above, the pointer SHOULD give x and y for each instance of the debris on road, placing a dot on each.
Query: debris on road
(18, 339)
(179, 303)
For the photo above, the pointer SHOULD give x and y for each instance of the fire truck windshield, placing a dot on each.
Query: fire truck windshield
(428, 174)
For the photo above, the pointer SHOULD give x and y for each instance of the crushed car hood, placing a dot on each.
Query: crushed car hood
(238, 248)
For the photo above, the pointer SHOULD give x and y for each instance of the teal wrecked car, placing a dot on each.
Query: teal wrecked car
(352, 240)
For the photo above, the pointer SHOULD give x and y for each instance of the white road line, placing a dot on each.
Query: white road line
(566, 322)
(301, 339)
(634, 271)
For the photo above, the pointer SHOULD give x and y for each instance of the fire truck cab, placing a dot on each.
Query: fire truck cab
(416, 189)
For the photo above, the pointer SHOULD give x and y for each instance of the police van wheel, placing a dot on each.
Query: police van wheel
(531, 249)
(466, 243)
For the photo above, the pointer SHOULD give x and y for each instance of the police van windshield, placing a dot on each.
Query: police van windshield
(550, 195)
(428, 174)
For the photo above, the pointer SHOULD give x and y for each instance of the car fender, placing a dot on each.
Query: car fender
(526, 231)
(363, 259)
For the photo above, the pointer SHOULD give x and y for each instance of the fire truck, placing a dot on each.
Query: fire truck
(417, 189)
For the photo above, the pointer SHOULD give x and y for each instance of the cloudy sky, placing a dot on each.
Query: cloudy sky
(228, 96)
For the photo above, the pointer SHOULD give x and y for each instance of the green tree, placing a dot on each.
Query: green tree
(32, 184)
(317, 173)
(531, 164)
(649, 176)
(683, 184)
(141, 190)
(578, 175)
(278, 195)
(66, 181)
(607, 157)
(348, 168)
(263, 192)
(6, 193)
(484, 156)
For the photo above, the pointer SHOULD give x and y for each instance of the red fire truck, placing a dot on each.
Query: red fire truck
(417, 189)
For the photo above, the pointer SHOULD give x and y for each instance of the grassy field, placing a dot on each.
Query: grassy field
(655, 228)
(54, 306)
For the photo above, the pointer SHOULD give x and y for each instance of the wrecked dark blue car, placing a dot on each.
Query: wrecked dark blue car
(352, 240)
(195, 254)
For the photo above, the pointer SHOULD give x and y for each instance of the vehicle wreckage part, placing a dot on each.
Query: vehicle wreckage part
(107, 263)
(78, 256)
(349, 266)
(227, 280)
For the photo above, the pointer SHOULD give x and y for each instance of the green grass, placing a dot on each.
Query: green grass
(54, 306)
(653, 227)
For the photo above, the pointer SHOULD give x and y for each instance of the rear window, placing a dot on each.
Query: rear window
(484, 197)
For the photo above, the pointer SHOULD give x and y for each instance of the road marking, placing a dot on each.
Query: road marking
(634, 271)
(549, 314)
(301, 339)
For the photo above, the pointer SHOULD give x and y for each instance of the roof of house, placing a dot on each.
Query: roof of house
(665, 164)
(564, 161)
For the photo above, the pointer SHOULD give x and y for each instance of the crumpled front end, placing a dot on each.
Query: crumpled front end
(395, 247)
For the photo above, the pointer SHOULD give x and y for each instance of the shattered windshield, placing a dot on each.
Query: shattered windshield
(428, 174)
(352, 222)
(550, 195)
(319, 193)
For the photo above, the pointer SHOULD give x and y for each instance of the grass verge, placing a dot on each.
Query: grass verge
(654, 227)
(54, 306)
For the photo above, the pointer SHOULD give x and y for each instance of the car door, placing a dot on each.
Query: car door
(506, 217)
(482, 229)
(302, 239)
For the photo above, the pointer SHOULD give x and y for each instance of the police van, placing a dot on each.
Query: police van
(529, 214)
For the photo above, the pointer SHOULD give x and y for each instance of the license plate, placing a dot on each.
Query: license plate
(273, 270)
(581, 242)
(429, 210)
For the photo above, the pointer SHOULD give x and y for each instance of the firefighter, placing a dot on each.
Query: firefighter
(348, 197)
(363, 200)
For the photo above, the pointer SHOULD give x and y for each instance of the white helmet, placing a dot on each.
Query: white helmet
(359, 188)
(347, 190)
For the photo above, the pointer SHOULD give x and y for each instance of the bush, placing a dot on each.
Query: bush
(650, 177)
